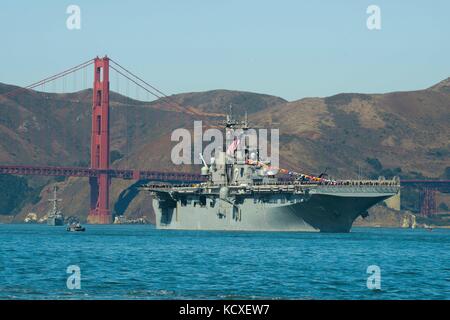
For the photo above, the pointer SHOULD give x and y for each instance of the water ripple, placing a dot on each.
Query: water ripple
(140, 262)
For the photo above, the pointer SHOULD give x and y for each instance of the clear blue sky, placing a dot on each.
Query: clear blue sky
(292, 49)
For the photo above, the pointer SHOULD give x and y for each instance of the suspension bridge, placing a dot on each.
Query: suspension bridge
(100, 172)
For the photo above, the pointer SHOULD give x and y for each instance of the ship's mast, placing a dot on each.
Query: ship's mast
(54, 201)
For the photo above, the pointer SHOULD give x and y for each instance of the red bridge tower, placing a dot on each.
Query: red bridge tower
(99, 212)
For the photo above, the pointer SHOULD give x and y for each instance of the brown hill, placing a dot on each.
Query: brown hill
(54, 129)
(404, 133)
(443, 86)
(345, 132)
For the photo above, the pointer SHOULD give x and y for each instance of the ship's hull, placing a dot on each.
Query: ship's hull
(55, 221)
(316, 213)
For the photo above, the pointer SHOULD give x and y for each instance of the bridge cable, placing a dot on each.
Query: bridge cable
(169, 99)
(135, 82)
(49, 79)
(140, 79)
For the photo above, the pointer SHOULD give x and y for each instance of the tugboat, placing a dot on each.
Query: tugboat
(54, 216)
(75, 227)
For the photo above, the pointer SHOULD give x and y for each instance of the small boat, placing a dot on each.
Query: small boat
(75, 227)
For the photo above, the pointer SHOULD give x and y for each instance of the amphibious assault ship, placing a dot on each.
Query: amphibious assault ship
(243, 192)
(54, 215)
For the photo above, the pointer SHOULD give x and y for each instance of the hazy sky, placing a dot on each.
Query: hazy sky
(291, 49)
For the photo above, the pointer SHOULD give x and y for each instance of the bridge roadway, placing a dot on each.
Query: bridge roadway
(163, 176)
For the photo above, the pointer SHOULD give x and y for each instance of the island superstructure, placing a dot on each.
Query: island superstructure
(244, 192)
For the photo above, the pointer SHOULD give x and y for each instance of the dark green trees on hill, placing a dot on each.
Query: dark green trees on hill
(13, 192)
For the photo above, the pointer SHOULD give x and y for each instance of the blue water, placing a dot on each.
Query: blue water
(140, 262)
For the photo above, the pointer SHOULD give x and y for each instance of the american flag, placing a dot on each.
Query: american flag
(233, 146)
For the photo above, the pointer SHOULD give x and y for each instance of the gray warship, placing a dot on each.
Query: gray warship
(54, 215)
(239, 193)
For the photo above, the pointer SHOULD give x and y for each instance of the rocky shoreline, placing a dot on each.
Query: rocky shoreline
(382, 216)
